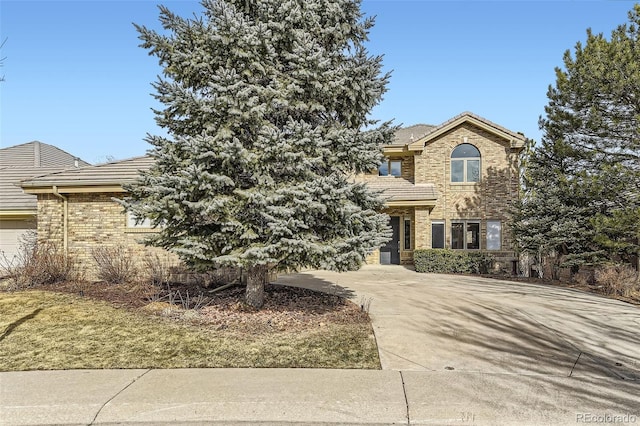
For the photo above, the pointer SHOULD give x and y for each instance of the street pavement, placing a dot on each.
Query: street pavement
(454, 350)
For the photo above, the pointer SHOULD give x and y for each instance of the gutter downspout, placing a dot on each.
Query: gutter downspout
(65, 219)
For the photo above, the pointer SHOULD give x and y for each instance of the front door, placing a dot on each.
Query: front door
(390, 252)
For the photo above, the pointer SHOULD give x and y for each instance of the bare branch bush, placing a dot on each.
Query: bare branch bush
(187, 301)
(115, 264)
(618, 280)
(176, 298)
(365, 304)
(157, 269)
(38, 263)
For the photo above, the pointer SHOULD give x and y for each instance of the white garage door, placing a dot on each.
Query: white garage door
(11, 235)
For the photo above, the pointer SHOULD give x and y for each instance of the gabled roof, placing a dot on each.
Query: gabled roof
(113, 174)
(516, 140)
(25, 161)
(37, 154)
(407, 135)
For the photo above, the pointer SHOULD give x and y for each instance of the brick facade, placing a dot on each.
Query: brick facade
(421, 195)
(487, 200)
(94, 220)
(50, 219)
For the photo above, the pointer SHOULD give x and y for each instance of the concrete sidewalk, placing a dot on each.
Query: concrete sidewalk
(310, 396)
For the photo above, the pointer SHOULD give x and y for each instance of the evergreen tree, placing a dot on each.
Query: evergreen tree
(266, 103)
(547, 222)
(584, 179)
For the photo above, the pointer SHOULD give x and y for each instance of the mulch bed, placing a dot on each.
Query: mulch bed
(285, 308)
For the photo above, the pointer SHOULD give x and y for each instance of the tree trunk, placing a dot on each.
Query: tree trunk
(256, 278)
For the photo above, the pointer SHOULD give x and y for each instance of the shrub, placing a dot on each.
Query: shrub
(157, 269)
(446, 261)
(621, 280)
(585, 276)
(38, 264)
(115, 265)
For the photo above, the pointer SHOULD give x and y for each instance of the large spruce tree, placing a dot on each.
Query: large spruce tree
(582, 186)
(266, 107)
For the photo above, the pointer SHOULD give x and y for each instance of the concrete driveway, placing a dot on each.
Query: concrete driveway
(472, 324)
(482, 351)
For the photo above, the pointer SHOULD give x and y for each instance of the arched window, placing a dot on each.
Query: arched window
(465, 163)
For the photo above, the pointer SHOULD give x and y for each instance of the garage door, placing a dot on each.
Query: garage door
(12, 232)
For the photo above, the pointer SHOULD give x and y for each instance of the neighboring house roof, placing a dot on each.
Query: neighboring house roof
(26, 161)
(399, 191)
(517, 140)
(407, 135)
(12, 199)
(37, 154)
(111, 175)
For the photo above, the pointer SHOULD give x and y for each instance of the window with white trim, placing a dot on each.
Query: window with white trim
(131, 222)
(465, 164)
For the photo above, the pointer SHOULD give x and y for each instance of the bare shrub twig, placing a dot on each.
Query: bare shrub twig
(38, 263)
(115, 265)
(618, 280)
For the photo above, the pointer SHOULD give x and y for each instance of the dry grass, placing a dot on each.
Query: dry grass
(618, 280)
(47, 330)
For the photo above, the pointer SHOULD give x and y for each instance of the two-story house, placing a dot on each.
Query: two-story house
(446, 186)
(449, 186)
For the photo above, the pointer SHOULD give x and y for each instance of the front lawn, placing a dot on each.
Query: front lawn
(42, 329)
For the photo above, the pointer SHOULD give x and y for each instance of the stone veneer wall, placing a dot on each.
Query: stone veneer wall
(95, 220)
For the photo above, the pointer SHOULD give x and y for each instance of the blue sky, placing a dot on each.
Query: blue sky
(76, 78)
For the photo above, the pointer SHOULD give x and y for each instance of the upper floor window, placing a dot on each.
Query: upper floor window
(390, 168)
(465, 163)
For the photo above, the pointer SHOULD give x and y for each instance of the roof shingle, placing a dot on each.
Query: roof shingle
(410, 134)
(25, 161)
(398, 189)
(37, 154)
(114, 173)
